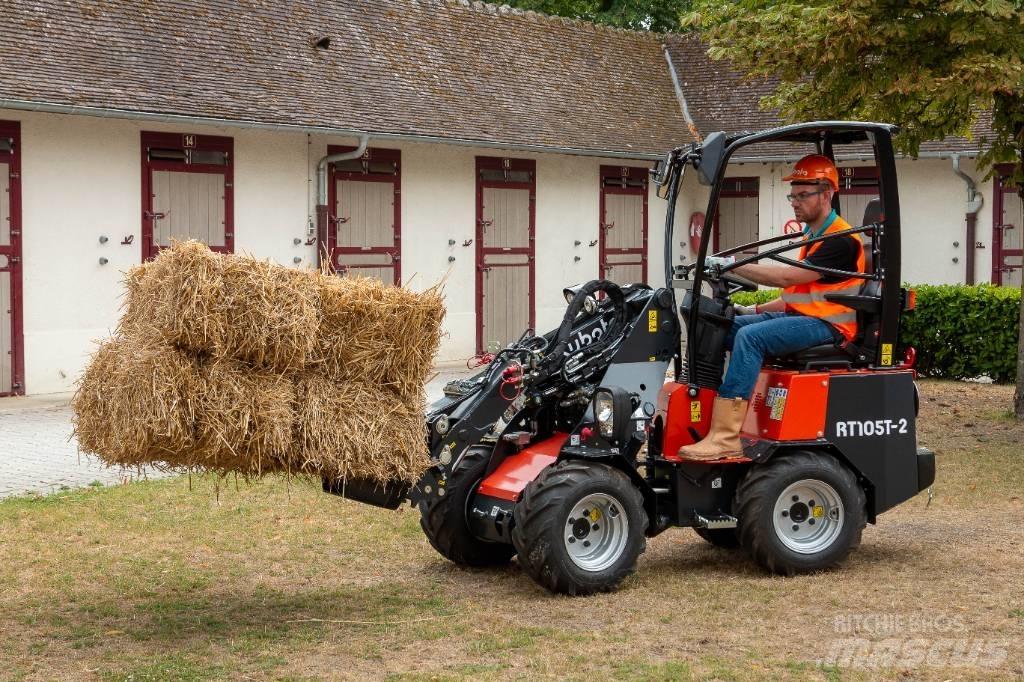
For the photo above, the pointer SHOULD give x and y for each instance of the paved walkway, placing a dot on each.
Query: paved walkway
(39, 455)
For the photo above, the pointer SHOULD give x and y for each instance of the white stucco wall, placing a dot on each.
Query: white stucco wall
(932, 206)
(81, 178)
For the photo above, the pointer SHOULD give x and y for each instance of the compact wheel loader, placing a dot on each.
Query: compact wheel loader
(562, 451)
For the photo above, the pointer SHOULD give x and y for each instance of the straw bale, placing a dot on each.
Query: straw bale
(270, 313)
(133, 304)
(230, 306)
(383, 335)
(352, 429)
(179, 297)
(244, 419)
(136, 403)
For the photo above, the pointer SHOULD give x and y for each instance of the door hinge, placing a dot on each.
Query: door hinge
(15, 175)
(15, 259)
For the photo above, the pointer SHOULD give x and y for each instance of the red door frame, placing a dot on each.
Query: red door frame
(998, 252)
(623, 174)
(509, 165)
(331, 240)
(848, 174)
(12, 131)
(734, 194)
(186, 142)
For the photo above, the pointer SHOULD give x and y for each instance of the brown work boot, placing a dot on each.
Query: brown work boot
(723, 440)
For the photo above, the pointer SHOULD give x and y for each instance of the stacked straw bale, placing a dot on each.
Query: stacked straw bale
(229, 364)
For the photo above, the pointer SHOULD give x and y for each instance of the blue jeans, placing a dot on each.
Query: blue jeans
(755, 337)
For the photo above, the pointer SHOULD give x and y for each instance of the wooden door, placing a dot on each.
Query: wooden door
(505, 219)
(11, 339)
(187, 191)
(364, 234)
(1007, 237)
(736, 221)
(623, 229)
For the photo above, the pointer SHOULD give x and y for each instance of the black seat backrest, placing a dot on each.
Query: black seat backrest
(867, 324)
(872, 214)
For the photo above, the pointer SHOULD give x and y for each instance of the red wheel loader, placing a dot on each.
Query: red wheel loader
(562, 452)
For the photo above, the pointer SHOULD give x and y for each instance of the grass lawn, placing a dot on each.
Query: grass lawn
(176, 579)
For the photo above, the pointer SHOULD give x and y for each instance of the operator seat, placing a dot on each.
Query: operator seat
(861, 352)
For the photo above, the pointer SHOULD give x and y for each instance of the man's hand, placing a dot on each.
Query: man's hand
(746, 309)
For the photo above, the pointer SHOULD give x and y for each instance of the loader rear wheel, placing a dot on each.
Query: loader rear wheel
(799, 513)
(726, 538)
(443, 519)
(579, 528)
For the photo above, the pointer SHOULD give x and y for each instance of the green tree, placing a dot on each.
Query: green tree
(930, 66)
(644, 15)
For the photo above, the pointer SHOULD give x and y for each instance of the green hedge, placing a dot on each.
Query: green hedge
(960, 332)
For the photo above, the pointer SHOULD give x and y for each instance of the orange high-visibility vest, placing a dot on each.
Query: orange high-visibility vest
(809, 299)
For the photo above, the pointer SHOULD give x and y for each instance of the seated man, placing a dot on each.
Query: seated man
(800, 318)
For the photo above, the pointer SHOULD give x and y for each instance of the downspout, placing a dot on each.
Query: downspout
(974, 203)
(323, 218)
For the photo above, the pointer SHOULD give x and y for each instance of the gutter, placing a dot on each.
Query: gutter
(102, 112)
(974, 203)
(323, 216)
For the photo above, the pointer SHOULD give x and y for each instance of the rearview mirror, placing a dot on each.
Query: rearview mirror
(661, 170)
(711, 155)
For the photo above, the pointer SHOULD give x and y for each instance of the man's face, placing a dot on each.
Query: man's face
(810, 201)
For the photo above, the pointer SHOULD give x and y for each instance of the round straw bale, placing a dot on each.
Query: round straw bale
(244, 420)
(350, 429)
(270, 313)
(136, 403)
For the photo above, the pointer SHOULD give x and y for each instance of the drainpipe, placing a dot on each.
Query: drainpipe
(322, 213)
(974, 204)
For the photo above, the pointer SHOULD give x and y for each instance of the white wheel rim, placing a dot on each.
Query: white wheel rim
(596, 532)
(809, 516)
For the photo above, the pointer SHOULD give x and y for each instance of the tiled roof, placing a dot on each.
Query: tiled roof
(446, 69)
(412, 67)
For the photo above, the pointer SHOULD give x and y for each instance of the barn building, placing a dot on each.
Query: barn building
(412, 139)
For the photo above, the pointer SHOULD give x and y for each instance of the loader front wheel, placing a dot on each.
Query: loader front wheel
(580, 527)
(443, 519)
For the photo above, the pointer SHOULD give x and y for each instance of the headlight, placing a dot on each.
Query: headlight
(604, 413)
(612, 412)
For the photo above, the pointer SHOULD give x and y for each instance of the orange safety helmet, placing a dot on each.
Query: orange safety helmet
(814, 168)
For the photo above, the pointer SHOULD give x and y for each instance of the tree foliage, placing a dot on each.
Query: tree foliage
(931, 67)
(645, 15)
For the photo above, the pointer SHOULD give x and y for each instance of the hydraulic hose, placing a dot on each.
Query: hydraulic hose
(561, 340)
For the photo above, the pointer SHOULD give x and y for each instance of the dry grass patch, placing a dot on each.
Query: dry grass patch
(276, 580)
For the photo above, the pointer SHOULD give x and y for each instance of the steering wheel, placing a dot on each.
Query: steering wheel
(561, 340)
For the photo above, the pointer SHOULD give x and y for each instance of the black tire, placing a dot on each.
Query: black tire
(443, 519)
(799, 475)
(726, 538)
(544, 515)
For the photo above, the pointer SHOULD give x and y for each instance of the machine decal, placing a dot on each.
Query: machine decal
(587, 336)
(870, 427)
(887, 354)
(652, 321)
(695, 411)
(776, 400)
